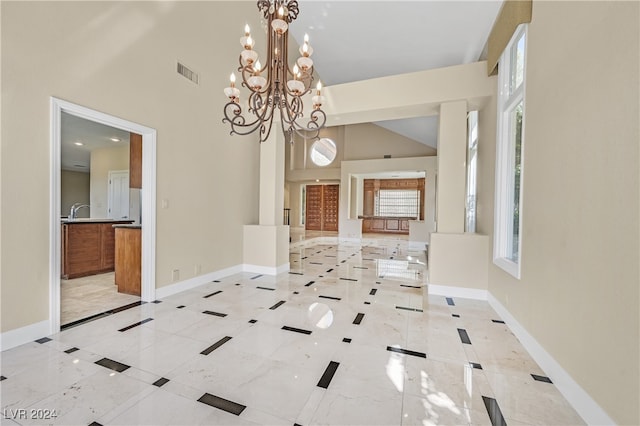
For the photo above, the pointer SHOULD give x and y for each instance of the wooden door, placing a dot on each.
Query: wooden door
(322, 207)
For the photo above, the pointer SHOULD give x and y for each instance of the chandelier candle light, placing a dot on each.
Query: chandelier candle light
(276, 87)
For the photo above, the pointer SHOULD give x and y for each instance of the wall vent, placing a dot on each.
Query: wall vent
(187, 73)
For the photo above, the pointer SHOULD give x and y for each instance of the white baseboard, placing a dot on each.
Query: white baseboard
(267, 270)
(194, 282)
(20, 336)
(579, 399)
(463, 292)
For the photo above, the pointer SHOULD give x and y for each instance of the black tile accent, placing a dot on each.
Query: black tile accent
(369, 259)
(360, 267)
(43, 340)
(406, 352)
(216, 281)
(217, 314)
(367, 303)
(373, 291)
(256, 277)
(112, 365)
(378, 282)
(343, 261)
(95, 424)
(71, 350)
(541, 378)
(274, 307)
(2, 378)
(212, 294)
(297, 330)
(222, 404)
(455, 315)
(494, 411)
(129, 327)
(348, 279)
(296, 292)
(330, 297)
(252, 321)
(216, 345)
(84, 320)
(346, 340)
(266, 288)
(329, 270)
(237, 284)
(328, 374)
(180, 307)
(329, 255)
(160, 382)
(410, 286)
(450, 301)
(296, 273)
(315, 263)
(157, 301)
(297, 424)
(475, 365)
(464, 336)
(404, 308)
(498, 321)
(358, 319)
(309, 283)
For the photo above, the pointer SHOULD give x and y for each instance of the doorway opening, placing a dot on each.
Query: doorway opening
(142, 212)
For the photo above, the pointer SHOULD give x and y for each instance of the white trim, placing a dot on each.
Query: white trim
(463, 292)
(579, 399)
(267, 270)
(148, 205)
(20, 336)
(418, 245)
(194, 282)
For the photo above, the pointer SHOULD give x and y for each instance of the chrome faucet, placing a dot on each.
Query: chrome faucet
(75, 208)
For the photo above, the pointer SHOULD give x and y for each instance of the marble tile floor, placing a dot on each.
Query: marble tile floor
(347, 337)
(86, 296)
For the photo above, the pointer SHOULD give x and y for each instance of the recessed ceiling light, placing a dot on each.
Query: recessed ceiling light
(115, 139)
(78, 143)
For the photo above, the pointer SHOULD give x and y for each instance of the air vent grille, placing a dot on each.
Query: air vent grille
(187, 73)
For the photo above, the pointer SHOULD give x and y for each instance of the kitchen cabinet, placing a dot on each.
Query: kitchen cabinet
(128, 259)
(88, 247)
(135, 160)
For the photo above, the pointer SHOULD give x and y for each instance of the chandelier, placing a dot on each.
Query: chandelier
(275, 88)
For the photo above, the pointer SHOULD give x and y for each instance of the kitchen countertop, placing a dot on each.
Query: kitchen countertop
(92, 220)
(129, 226)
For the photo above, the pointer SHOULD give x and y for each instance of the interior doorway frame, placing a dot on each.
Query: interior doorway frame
(148, 206)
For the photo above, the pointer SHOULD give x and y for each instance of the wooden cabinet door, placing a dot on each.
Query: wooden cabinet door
(322, 207)
(135, 160)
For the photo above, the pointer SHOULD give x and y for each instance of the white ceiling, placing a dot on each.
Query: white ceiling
(359, 40)
(91, 134)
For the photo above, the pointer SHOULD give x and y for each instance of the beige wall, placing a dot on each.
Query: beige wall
(103, 161)
(74, 188)
(368, 141)
(120, 58)
(579, 292)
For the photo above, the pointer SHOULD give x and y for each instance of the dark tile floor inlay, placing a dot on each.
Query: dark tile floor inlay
(373, 291)
(256, 277)
(129, 327)
(216, 345)
(266, 288)
(310, 283)
(330, 297)
(367, 303)
(328, 374)
(541, 378)
(455, 315)
(358, 318)
(212, 294)
(43, 340)
(348, 279)
(464, 336)
(71, 350)
(498, 321)
(296, 273)
(2, 378)
(274, 307)
(329, 270)
(253, 321)
(405, 308)
(180, 307)
(406, 352)
(161, 381)
(216, 314)
(494, 411)
(157, 301)
(346, 340)
(410, 286)
(112, 365)
(95, 424)
(297, 330)
(222, 404)
(475, 365)
(450, 302)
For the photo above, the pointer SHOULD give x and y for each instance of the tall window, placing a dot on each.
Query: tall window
(511, 111)
(472, 170)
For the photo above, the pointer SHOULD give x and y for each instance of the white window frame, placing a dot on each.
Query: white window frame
(505, 152)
